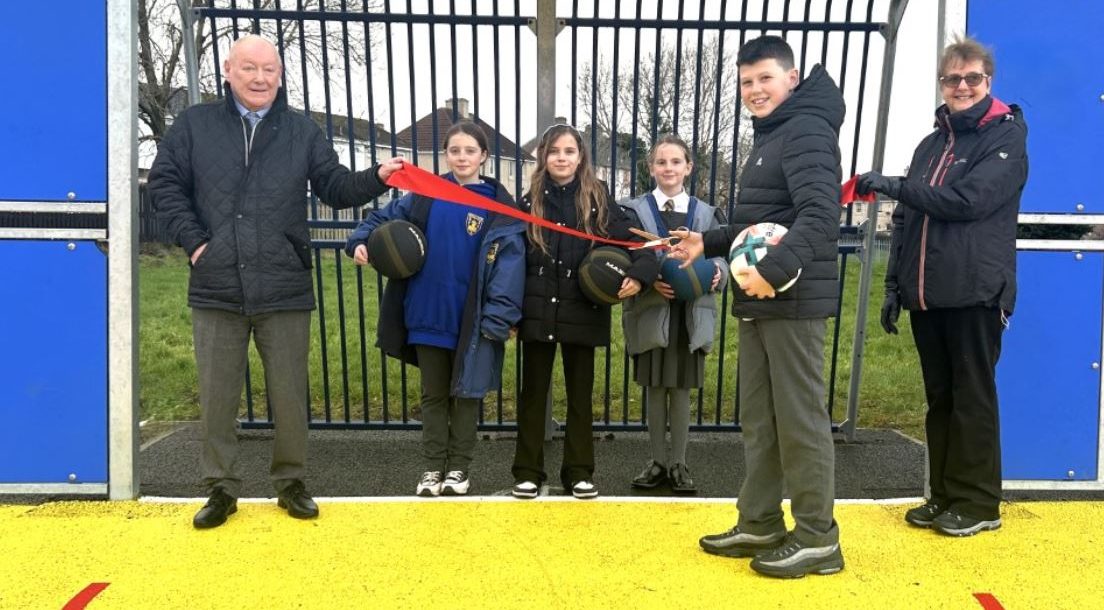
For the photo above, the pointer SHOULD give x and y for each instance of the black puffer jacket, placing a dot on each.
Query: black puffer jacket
(555, 309)
(249, 203)
(792, 177)
(954, 231)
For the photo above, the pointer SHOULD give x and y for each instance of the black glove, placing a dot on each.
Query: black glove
(891, 310)
(890, 186)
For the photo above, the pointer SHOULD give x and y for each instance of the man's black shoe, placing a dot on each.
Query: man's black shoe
(297, 501)
(654, 474)
(214, 513)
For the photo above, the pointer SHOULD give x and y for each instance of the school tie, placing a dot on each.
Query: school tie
(669, 205)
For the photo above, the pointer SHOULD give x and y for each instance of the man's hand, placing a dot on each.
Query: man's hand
(664, 289)
(753, 284)
(198, 252)
(389, 167)
(629, 287)
(875, 181)
(360, 255)
(689, 247)
(891, 310)
(716, 278)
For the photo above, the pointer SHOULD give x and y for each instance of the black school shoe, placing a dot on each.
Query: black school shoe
(681, 483)
(214, 513)
(651, 477)
(297, 501)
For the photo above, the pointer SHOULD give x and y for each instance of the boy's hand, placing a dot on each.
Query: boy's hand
(689, 247)
(753, 284)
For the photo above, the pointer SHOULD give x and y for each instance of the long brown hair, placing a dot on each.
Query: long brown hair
(590, 191)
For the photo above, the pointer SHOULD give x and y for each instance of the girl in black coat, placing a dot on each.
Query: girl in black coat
(565, 190)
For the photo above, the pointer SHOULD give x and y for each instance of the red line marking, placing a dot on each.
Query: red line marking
(988, 602)
(80, 600)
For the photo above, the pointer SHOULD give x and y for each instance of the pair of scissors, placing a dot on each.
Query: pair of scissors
(655, 241)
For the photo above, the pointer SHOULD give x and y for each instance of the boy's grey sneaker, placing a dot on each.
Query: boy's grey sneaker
(954, 524)
(735, 543)
(922, 516)
(456, 483)
(525, 490)
(795, 559)
(430, 485)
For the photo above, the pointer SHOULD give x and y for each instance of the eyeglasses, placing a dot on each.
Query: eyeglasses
(952, 81)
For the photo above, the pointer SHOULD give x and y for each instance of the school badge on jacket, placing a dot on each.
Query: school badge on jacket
(474, 223)
(492, 253)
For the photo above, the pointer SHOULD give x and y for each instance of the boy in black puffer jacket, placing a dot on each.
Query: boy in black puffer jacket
(792, 178)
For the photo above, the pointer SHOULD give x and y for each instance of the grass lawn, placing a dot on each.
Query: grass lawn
(346, 378)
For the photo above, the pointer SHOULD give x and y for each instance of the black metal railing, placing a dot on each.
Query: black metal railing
(416, 56)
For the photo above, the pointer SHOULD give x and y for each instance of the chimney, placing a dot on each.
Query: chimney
(461, 105)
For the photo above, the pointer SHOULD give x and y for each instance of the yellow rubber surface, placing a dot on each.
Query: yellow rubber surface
(495, 554)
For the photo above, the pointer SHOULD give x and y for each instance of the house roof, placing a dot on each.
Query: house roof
(424, 129)
(361, 128)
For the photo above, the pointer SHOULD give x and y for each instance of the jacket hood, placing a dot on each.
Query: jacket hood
(817, 95)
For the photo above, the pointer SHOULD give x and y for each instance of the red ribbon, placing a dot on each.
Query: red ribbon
(848, 194)
(416, 179)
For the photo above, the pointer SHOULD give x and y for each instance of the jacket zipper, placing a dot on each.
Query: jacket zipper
(939, 173)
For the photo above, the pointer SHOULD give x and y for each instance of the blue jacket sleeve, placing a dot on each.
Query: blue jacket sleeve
(505, 289)
(398, 209)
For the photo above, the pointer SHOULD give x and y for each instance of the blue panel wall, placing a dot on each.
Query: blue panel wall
(1050, 61)
(1049, 391)
(53, 365)
(53, 111)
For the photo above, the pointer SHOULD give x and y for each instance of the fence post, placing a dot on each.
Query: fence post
(191, 62)
(896, 13)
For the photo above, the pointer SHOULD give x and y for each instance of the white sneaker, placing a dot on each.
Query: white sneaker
(584, 490)
(456, 483)
(430, 485)
(526, 490)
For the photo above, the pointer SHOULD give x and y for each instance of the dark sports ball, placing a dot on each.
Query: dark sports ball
(397, 249)
(689, 283)
(601, 274)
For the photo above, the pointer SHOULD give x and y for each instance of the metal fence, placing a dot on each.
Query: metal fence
(418, 54)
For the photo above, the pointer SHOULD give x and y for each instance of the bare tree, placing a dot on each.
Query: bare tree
(670, 97)
(161, 63)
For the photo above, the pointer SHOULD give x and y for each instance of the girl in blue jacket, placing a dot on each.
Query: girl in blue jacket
(668, 338)
(453, 317)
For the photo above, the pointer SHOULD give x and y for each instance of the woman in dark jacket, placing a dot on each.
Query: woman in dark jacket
(953, 266)
(555, 312)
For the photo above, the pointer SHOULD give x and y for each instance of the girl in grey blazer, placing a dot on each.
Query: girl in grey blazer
(668, 338)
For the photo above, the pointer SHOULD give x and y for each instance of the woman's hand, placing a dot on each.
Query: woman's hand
(716, 277)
